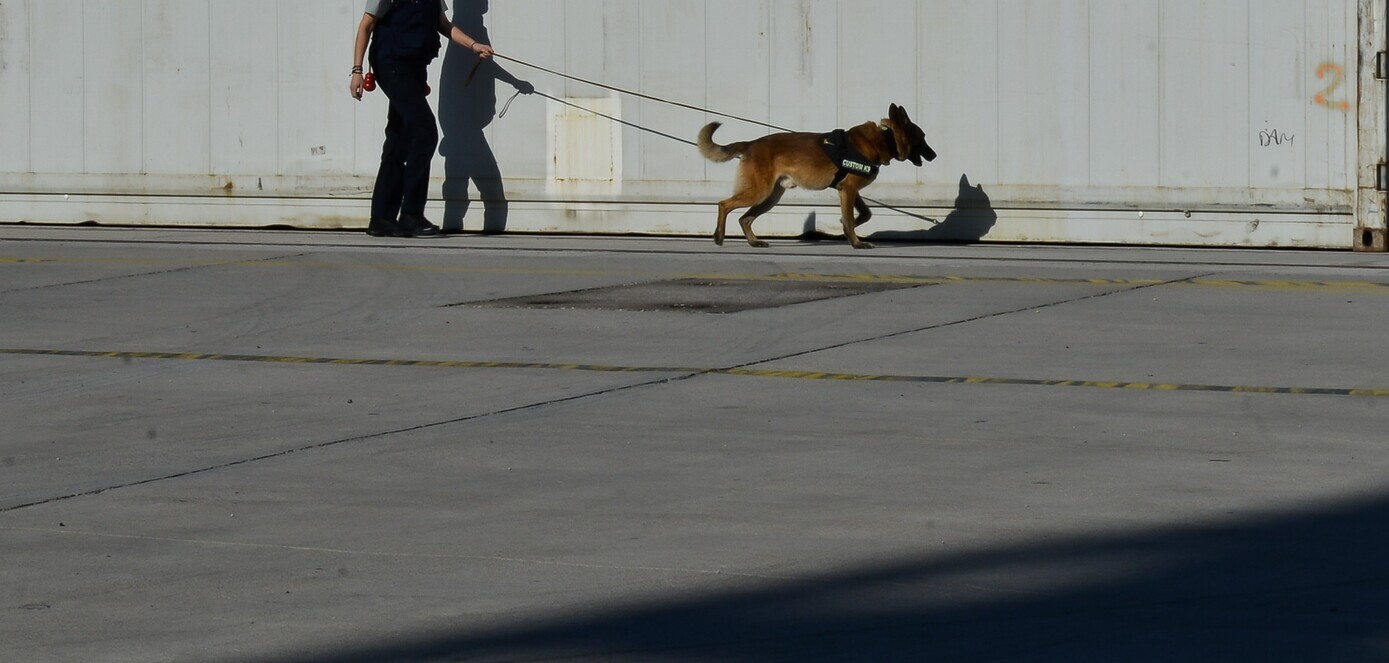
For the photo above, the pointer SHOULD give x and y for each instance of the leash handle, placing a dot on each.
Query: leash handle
(473, 73)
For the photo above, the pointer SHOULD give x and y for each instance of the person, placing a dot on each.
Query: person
(404, 38)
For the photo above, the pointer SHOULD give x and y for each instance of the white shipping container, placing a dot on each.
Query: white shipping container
(1181, 122)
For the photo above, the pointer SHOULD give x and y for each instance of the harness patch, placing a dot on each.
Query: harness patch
(838, 148)
(854, 165)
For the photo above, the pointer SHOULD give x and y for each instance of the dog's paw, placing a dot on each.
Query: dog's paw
(863, 245)
(759, 244)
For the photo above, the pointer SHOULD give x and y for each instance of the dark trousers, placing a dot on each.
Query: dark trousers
(412, 136)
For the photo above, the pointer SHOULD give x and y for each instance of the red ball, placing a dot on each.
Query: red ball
(427, 89)
(369, 82)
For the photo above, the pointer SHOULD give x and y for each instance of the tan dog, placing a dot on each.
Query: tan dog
(846, 160)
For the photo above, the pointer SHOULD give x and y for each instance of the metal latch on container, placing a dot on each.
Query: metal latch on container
(1382, 177)
(1382, 65)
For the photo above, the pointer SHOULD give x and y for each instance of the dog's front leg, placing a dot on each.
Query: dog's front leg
(864, 213)
(849, 200)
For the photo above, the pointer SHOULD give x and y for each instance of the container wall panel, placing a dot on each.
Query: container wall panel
(314, 42)
(805, 65)
(116, 75)
(534, 31)
(178, 79)
(15, 103)
(868, 90)
(1066, 119)
(57, 86)
(1046, 90)
(243, 112)
(1125, 106)
(960, 95)
(674, 39)
(1206, 76)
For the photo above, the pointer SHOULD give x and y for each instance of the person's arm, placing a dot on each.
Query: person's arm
(364, 32)
(457, 36)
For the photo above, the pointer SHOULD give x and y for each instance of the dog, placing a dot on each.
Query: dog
(847, 160)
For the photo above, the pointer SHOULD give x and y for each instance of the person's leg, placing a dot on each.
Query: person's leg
(419, 138)
(390, 178)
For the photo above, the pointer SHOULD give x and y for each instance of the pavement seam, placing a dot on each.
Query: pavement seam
(977, 318)
(786, 249)
(743, 368)
(1368, 287)
(332, 443)
(174, 270)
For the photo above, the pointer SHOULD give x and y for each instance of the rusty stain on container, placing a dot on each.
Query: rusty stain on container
(585, 147)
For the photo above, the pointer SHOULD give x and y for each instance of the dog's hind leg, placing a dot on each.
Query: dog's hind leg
(758, 210)
(750, 195)
(725, 206)
(849, 200)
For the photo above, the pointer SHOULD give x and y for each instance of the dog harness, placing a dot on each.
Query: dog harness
(849, 160)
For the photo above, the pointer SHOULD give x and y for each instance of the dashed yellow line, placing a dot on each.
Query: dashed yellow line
(1369, 286)
(1341, 286)
(738, 372)
(1288, 285)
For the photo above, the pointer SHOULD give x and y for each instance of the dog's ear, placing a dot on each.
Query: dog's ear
(898, 114)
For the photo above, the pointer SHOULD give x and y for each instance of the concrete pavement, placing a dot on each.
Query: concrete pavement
(313, 446)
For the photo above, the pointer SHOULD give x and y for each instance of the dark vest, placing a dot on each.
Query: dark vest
(408, 32)
(849, 160)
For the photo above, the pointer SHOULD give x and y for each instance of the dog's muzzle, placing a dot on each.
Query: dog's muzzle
(923, 151)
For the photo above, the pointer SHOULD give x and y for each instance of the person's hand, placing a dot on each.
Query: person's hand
(355, 87)
(483, 50)
(525, 87)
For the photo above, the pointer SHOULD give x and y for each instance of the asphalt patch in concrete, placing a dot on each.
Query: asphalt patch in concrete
(696, 295)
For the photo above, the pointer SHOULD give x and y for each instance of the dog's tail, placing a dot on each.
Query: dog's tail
(715, 152)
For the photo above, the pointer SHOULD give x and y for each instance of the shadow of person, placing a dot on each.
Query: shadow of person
(465, 109)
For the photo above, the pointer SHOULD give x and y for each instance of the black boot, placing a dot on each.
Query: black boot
(383, 228)
(417, 226)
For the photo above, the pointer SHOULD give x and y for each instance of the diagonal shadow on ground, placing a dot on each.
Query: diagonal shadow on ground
(1293, 586)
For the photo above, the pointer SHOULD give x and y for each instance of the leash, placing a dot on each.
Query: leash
(619, 90)
(614, 119)
(638, 94)
(648, 97)
(507, 106)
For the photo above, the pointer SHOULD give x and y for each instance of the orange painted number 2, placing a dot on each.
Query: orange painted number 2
(1338, 78)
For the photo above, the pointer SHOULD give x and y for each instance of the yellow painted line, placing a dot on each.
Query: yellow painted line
(738, 372)
(1207, 282)
(1355, 286)
(1340, 286)
(344, 361)
(894, 278)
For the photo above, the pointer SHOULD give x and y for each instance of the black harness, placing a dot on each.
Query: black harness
(841, 151)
